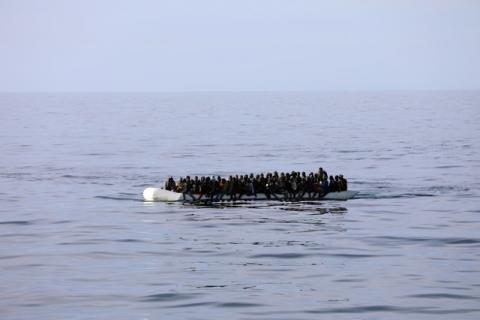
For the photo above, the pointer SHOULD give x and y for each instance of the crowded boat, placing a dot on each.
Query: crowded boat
(289, 185)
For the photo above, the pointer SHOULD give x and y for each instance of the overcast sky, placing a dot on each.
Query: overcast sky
(112, 45)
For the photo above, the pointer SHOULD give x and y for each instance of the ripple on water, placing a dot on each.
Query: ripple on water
(396, 240)
(191, 305)
(443, 296)
(238, 305)
(394, 309)
(279, 255)
(167, 297)
(17, 223)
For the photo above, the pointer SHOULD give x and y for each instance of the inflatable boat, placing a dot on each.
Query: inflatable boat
(158, 194)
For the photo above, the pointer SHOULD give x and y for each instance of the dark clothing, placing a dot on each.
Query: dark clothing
(293, 186)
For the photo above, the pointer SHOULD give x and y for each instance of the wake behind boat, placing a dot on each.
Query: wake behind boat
(294, 186)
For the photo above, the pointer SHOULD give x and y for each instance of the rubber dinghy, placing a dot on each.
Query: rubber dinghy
(158, 194)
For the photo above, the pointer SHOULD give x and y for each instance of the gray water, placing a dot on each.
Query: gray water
(78, 242)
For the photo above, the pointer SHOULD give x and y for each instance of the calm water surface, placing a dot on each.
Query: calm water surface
(78, 242)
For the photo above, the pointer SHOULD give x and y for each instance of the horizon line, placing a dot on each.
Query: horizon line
(240, 91)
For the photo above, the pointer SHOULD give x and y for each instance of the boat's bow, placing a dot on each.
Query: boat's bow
(157, 194)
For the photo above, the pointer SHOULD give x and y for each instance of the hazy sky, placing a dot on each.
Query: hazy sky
(112, 45)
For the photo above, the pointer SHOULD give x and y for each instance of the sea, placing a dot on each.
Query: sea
(77, 241)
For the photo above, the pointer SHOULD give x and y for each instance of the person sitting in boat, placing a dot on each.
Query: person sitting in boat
(170, 184)
(342, 182)
(307, 185)
(181, 186)
(269, 187)
(214, 188)
(222, 188)
(195, 185)
(325, 187)
(332, 185)
(345, 183)
(338, 183)
(323, 174)
(256, 184)
(187, 188)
